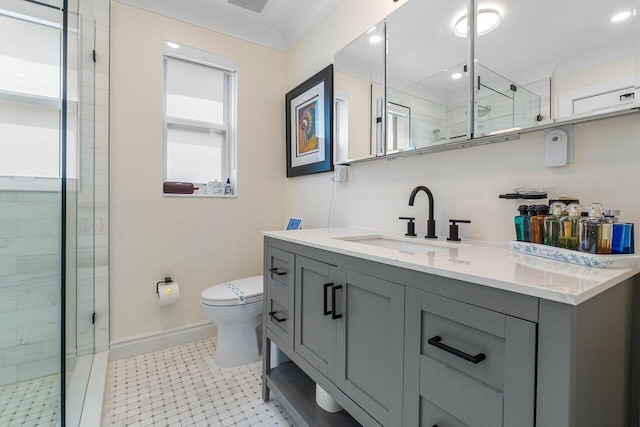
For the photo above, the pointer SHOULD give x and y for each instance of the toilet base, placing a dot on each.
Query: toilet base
(236, 346)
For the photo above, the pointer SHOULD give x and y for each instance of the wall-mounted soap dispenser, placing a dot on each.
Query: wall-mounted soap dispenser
(595, 231)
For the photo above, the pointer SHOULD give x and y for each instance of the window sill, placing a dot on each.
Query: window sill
(212, 196)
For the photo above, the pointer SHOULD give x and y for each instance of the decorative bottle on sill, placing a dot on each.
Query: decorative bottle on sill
(569, 237)
(595, 231)
(228, 191)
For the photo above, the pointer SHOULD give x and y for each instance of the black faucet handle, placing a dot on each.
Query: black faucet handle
(453, 229)
(411, 225)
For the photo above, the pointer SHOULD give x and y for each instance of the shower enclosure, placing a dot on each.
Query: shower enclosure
(50, 248)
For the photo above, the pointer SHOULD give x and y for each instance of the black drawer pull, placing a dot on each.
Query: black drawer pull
(436, 342)
(324, 299)
(276, 318)
(277, 272)
(333, 302)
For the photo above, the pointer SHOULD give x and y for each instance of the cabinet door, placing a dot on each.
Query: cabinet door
(315, 331)
(370, 344)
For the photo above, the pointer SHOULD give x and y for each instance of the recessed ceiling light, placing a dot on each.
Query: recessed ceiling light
(375, 39)
(487, 20)
(456, 75)
(173, 45)
(620, 16)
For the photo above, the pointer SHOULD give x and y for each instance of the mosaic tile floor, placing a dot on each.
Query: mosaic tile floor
(30, 403)
(182, 386)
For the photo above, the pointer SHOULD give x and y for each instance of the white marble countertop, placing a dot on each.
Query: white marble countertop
(485, 263)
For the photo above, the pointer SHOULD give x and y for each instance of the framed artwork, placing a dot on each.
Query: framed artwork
(309, 124)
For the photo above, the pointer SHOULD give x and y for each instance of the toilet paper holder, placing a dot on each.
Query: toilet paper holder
(166, 280)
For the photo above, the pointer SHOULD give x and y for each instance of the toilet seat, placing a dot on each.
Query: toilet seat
(235, 292)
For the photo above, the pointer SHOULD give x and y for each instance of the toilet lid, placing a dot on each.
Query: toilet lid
(234, 292)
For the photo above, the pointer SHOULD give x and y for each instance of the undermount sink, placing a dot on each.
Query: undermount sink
(398, 243)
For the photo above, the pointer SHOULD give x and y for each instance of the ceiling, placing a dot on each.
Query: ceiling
(279, 26)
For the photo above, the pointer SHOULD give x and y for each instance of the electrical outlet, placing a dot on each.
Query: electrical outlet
(340, 173)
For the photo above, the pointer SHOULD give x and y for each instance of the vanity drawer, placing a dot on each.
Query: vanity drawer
(280, 267)
(451, 398)
(472, 357)
(449, 326)
(279, 321)
(278, 296)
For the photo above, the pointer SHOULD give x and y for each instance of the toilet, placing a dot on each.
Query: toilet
(235, 307)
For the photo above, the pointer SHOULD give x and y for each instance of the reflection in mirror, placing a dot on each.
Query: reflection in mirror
(575, 58)
(426, 73)
(358, 87)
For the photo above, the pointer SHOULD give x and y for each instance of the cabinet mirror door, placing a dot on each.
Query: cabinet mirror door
(427, 79)
(359, 90)
(547, 61)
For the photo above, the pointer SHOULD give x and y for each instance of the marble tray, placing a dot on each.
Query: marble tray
(575, 257)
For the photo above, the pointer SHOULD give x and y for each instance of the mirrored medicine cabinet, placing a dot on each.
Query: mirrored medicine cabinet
(530, 65)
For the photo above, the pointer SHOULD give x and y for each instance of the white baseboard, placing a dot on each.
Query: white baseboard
(142, 344)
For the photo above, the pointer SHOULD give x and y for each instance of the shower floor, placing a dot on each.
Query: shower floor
(30, 403)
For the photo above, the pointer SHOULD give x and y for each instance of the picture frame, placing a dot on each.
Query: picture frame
(309, 125)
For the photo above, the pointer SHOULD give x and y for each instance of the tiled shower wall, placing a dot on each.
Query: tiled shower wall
(29, 285)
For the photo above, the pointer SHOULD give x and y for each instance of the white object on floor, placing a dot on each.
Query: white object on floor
(325, 401)
(235, 308)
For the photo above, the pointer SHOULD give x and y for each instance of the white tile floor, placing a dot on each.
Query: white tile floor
(30, 403)
(182, 386)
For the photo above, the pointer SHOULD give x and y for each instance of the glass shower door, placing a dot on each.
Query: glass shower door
(30, 213)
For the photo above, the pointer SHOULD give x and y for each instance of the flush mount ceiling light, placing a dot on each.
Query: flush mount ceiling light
(375, 39)
(173, 45)
(456, 76)
(487, 20)
(621, 16)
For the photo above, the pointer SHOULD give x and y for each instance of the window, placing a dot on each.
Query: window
(199, 117)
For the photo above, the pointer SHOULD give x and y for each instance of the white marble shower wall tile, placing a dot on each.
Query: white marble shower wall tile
(182, 386)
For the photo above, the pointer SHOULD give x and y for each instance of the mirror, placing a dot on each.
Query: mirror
(550, 61)
(358, 93)
(427, 82)
(535, 64)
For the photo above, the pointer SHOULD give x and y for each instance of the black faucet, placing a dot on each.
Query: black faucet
(431, 223)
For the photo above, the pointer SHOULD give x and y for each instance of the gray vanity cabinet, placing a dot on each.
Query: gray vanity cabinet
(350, 326)
(467, 365)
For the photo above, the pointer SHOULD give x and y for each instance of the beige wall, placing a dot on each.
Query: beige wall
(198, 241)
(465, 183)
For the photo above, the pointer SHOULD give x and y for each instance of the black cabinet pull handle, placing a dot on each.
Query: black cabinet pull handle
(277, 272)
(324, 299)
(275, 318)
(437, 342)
(333, 302)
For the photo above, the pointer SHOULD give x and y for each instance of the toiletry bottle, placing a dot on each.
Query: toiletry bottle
(523, 224)
(569, 228)
(552, 224)
(622, 242)
(595, 231)
(227, 188)
(537, 224)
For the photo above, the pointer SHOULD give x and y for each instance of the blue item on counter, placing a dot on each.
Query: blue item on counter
(622, 241)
